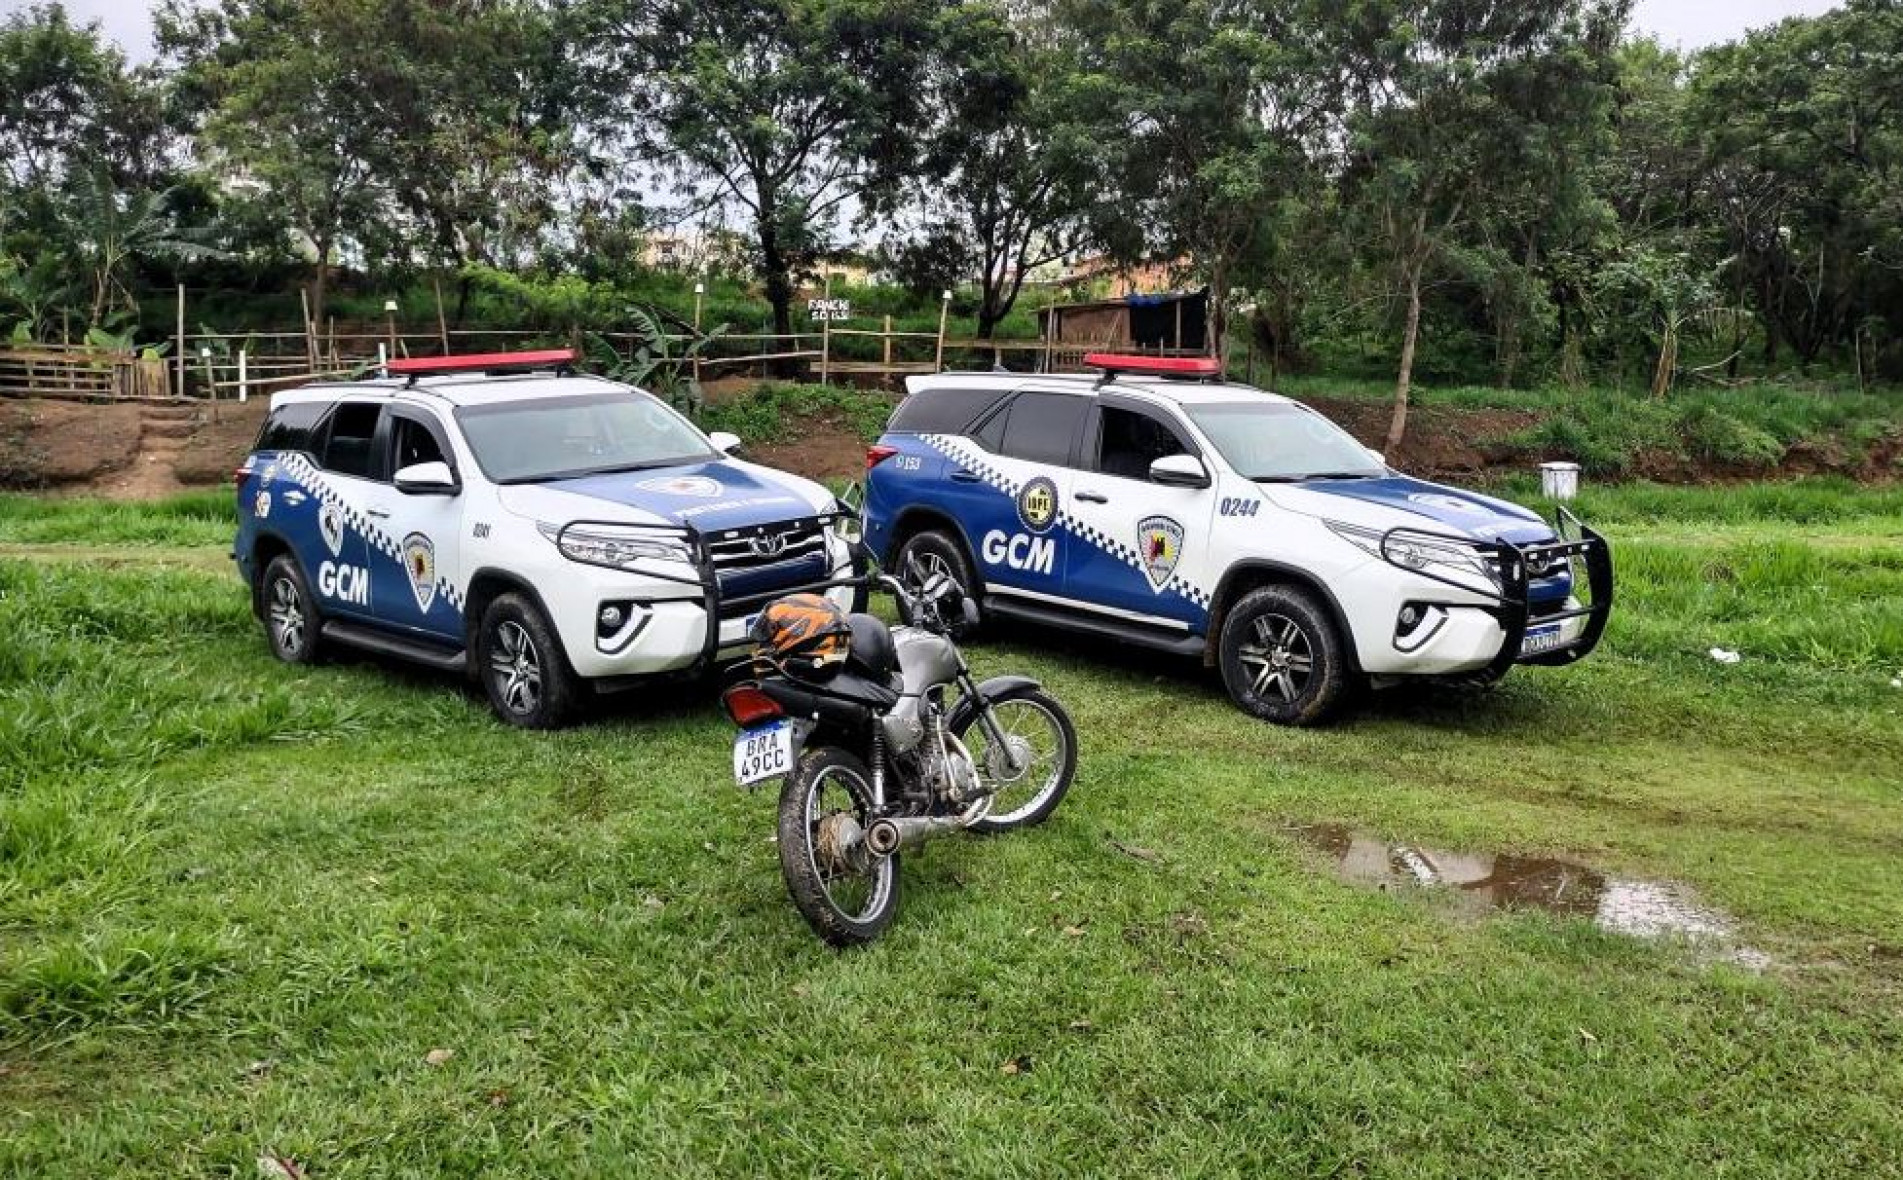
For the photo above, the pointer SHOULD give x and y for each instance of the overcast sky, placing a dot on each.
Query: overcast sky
(1687, 23)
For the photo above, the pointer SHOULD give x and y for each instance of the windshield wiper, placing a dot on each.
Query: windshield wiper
(1308, 475)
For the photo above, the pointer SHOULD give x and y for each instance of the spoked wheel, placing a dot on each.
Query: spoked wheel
(847, 895)
(290, 617)
(1031, 767)
(1282, 659)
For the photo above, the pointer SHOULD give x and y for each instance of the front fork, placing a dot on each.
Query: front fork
(989, 720)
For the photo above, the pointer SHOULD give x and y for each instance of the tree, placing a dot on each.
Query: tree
(1218, 107)
(1447, 111)
(286, 105)
(1018, 149)
(793, 110)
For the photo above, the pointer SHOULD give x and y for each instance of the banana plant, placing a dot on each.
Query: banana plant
(654, 365)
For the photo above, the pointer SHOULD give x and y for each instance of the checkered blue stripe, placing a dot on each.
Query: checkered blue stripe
(979, 462)
(308, 474)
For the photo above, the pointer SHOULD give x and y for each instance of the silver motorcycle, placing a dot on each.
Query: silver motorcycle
(898, 747)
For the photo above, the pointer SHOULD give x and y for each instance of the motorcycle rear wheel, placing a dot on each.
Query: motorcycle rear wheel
(846, 895)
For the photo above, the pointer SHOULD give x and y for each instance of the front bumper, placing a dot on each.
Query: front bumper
(684, 623)
(1487, 634)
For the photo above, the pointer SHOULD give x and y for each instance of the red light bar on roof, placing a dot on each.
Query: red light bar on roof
(483, 362)
(1155, 366)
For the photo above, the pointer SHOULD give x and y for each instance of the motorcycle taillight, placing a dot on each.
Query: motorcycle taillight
(749, 707)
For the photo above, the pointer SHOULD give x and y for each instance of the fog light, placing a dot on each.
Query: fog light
(1410, 617)
(612, 617)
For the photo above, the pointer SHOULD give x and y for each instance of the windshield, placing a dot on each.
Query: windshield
(588, 434)
(1282, 442)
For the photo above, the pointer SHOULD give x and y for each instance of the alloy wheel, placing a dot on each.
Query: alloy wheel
(1279, 658)
(517, 668)
(287, 617)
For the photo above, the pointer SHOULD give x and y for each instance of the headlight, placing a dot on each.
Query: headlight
(1465, 564)
(615, 546)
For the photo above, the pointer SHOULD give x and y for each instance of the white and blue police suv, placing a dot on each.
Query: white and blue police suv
(543, 531)
(1156, 505)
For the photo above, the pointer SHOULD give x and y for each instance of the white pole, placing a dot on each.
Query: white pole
(244, 390)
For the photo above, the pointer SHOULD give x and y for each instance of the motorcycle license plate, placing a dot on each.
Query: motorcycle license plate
(1541, 639)
(763, 753)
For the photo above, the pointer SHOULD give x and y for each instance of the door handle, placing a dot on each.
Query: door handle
(1093, 497)
(379, 513)
(963, 476)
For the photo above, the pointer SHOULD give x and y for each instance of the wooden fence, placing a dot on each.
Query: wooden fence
(237, 365)
(81, 372)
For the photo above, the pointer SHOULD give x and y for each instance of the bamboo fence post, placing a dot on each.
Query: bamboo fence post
(886, 364)
(826, 335)
(442, 325)
(244, 388)
(944, 312)
(700, 289)
(334, 363)
(181, 340)
(1049, 319)
(310, 330)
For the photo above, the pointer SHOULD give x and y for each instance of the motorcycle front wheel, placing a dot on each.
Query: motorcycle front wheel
(847, 895)
(1034, 765)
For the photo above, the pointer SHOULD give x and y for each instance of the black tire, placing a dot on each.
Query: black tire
(801, 854)
(1033, 804)
(289, 612)
(936, 550)
(1282, 658)
(523, 667)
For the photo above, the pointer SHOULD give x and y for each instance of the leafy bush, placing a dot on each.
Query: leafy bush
(1713, 434)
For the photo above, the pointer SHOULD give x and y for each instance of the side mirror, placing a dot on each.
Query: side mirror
(427, 479)
(724, 441)
(1377, 456)
(1179, 471)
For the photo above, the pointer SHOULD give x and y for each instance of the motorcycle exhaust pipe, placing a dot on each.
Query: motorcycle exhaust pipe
(888, 836)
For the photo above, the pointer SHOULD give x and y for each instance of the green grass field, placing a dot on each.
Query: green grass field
(243, 906)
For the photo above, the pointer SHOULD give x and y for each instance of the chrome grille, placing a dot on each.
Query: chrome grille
(757, 547)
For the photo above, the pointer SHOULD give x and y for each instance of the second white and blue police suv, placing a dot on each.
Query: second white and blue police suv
(546, 532)
(1155, 504)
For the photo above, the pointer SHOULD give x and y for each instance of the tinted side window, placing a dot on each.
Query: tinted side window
(288, 428)
(1128, 442)
(347, 447)
(942, 411)
(414, 444)
(1043, 426)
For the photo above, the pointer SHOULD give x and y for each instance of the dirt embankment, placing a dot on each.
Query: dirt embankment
(129, 451)
(125, 451)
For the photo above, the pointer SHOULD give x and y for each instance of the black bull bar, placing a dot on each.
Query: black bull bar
(706, 576)
(1512, 605)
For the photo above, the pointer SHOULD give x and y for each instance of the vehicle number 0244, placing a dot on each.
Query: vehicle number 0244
(1239, 506)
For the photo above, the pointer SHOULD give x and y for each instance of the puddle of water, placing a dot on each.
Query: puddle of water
(1503, 881)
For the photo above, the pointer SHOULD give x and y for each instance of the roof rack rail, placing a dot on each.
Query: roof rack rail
(562, 360)
(1180, 368)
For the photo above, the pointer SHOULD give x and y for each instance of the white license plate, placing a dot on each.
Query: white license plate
(763, 753)
(1540, 639)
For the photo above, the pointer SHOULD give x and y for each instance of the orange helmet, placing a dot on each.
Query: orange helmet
(802, 634)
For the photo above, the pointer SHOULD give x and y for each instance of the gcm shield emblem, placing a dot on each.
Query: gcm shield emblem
(1160, 546)
(419, 562)
(330, 523)
(1037, 505)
